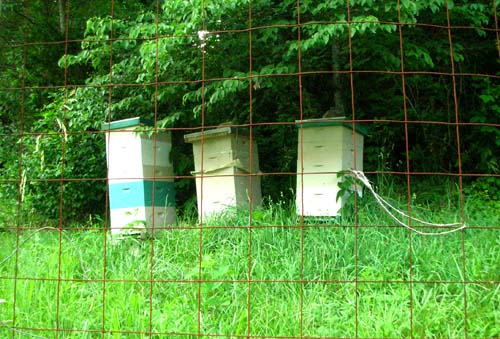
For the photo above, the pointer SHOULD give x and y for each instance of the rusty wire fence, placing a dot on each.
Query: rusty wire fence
(306, 266)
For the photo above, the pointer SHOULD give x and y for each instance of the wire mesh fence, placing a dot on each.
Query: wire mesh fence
(249, 169)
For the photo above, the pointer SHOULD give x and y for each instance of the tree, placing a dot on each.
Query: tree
(161, 54)
(35, 114)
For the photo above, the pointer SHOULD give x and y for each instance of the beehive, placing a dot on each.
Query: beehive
(224, 170)
(140, 177)
(325, 147)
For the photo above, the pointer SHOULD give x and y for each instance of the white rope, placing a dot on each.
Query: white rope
(23, 242)
(386, 206)
(10, 328)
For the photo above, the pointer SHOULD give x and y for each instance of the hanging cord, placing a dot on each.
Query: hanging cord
(3, 324)
(387, 207)
(82, 265)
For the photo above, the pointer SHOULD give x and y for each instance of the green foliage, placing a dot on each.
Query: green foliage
(62, 166)
(348, 185)
(334, 275)
(484, 189)
(486, 113)
(146, 61)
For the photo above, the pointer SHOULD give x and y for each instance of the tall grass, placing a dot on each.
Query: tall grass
(349, 277)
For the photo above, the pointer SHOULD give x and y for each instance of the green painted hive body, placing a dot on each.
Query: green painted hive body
(140, 177)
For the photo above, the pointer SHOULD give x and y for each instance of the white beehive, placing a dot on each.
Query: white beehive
(224, 172)
(140, 177)
(325, 147)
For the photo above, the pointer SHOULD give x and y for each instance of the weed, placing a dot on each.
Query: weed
(267, 274)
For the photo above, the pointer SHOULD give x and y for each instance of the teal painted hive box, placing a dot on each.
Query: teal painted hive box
(140, 178)
(325, 147)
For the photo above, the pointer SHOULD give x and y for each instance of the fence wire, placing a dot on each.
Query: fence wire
(274, 267)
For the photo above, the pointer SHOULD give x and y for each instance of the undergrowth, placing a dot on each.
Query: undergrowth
(358, 275)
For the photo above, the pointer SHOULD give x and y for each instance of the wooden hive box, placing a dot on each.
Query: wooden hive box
(140, 177)
(225, 169)
(325, 147)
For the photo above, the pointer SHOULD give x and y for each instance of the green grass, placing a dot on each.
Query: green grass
(333, 278)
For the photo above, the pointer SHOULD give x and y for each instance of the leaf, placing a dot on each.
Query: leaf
(486, 98)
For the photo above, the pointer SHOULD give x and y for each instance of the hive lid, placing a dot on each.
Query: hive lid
(214, 133)
(125, 123)
(340, 121)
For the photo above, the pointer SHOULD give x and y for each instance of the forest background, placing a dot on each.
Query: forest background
(406, 72)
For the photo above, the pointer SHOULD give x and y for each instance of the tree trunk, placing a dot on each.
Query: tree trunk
(338, 104)
(62, 16)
